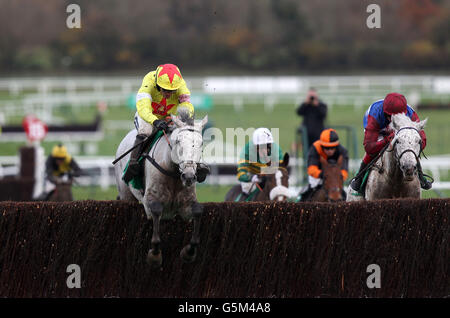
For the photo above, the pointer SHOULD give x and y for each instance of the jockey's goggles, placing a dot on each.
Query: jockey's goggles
(165, 90)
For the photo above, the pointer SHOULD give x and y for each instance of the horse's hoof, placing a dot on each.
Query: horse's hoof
(155, 261)
(186, 256)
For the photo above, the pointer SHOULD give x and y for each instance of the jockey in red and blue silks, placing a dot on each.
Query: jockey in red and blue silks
(377, 132)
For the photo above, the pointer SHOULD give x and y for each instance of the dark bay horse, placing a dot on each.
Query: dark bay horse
(333, 183)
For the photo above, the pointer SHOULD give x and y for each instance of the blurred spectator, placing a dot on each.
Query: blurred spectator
(314, 112)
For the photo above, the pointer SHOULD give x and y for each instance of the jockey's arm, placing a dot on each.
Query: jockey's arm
(144, 100)
(75, 168)
(344, 170)
(371, 144)
(184, 99)
(314, 171)
(313, 163)
(244, 174)
(423, 136)
(49, 170)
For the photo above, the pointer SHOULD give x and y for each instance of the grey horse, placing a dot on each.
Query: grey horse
(394, 175)
(169, 188)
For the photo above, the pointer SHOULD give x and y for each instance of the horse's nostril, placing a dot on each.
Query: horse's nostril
(410, 171)
(189, 177)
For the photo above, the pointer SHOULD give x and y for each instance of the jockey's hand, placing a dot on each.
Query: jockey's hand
(256, 179)
(389, 138)
(161, 125)
(386, 131)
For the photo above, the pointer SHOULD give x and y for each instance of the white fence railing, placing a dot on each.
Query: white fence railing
(41, 96)
(102, 171)
(230, 84)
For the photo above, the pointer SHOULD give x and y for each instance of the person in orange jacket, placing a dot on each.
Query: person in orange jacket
(329, 148)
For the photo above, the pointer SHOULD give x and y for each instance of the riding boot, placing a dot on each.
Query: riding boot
(356, 182)
(244, 196)
(42, 197)
(202, 171)
(133, 164)
(306, 194)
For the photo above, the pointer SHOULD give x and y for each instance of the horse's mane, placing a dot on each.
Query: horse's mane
(185, 116)
(402, 120)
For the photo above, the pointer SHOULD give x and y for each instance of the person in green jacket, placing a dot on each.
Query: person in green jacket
(258, 154)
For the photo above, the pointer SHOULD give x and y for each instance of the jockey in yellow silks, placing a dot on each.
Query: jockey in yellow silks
(59, 165)
(163, 92)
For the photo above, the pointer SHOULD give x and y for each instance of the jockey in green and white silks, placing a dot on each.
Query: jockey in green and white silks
(259, 153)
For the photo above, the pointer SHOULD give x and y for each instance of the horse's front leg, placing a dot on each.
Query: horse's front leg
(189, 252)
(155, 209)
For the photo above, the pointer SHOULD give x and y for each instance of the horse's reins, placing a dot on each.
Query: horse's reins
(258, 186)
(167, 139)
(372, 162)
(152, 160)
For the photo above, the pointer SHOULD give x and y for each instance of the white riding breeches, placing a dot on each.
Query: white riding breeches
(49, 186)
(314, 182)
(246, 187)
(142, 127)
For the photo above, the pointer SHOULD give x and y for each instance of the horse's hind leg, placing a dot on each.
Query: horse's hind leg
(154, 256)
(189, 252)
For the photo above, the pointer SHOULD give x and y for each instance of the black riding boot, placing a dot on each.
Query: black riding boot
(306, 194)
(356, 182)
(244, 196)
(133, 165)
(202, 171)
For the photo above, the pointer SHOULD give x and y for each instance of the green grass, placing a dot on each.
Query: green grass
(283, 117)
(223, 116)
(205, 193)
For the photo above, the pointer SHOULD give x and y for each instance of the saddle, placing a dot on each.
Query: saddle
(137, 182)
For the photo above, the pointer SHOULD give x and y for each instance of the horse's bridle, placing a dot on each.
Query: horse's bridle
(187, 162)
(407, 150)
(181, 165)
